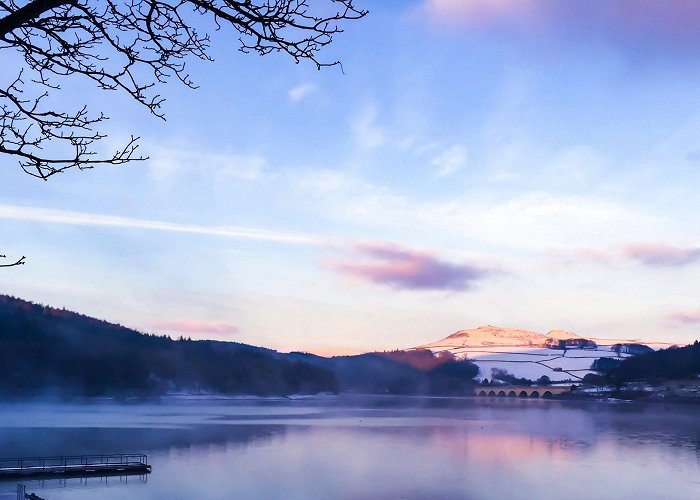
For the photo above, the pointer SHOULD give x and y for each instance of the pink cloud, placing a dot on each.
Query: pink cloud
(480, 12)
(408, 269)
(692, 317)
(195, 326)
(644, 26)
(661, 255)
(648, 254)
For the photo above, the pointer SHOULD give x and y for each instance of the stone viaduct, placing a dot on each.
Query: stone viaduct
(514, 391)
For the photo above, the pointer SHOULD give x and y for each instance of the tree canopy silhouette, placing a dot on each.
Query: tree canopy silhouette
(129, 46)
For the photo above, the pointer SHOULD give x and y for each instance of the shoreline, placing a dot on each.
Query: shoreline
(635, 396)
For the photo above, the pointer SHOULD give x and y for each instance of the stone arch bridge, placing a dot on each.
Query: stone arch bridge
(515, 391)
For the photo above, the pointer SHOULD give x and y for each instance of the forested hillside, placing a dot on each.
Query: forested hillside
(671, 364)
(44, 350)
(394, 373)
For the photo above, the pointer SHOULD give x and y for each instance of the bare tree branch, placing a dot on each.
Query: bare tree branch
(130, 46)
(27, 14)
(17, 263)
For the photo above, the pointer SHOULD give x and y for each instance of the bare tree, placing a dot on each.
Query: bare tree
(130, 46)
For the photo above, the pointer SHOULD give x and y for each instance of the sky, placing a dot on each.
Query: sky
(523, 163)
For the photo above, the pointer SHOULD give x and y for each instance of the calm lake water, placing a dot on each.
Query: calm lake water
(366, 448)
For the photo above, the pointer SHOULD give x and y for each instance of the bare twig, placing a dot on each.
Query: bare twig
(130, 46)
(17, 263)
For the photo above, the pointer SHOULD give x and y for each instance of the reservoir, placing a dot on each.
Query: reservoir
(364, 447)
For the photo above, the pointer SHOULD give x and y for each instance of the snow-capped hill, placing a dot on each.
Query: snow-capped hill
(562, 335)
(560, 355)
(491, 336)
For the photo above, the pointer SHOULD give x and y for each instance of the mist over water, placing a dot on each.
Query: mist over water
(365, 448)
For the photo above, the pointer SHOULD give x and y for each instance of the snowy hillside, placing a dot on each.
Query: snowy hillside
(560, 355)
(486, 336)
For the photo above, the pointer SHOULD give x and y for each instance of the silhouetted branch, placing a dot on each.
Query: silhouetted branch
(26, 127)
(130, 46)
(17, 263)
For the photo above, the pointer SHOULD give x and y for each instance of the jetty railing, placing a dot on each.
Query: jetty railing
(74, 464)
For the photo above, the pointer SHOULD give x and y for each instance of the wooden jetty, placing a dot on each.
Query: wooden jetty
(74, 466)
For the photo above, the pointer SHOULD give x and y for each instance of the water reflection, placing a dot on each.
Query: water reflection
(48, 487)
(373, 448)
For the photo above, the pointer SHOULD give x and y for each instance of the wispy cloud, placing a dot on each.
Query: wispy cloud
(450, 160)
(168, 162)
(367, 132)
(632, 25)
(196, 326)
(647, 254)
(579, 255)
(300, 92)
(71, 218)
(661, 255)
(409, 269)
(687, 317)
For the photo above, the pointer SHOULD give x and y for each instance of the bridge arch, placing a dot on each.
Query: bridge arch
(514, 391)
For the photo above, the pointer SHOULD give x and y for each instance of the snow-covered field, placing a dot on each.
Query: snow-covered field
(523, 353)
(558, 365)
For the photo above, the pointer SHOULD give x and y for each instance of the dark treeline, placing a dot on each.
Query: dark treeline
(675, 363)
(605, 364)
(45, 350)
(51, 351)
(394, 373)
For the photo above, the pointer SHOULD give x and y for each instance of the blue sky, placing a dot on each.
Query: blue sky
(522, 163)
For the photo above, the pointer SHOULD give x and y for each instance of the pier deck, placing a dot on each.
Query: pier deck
(74, 466)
